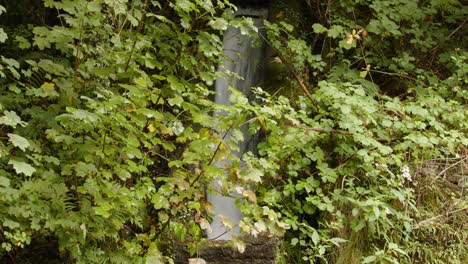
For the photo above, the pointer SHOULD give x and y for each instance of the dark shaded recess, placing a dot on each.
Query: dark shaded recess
(40, 251)
(27, 12)
(251, 3)
(258, 251)
(19, 20)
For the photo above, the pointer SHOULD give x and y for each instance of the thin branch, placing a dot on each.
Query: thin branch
(164, 226)
(418, 225)
(225, 232)
(448, 168)
(139, 29)
(298, 78)
(212, 157)
(453, 32)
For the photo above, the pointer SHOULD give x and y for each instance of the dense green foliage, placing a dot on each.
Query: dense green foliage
(108, 141)
(349, 178)
(107, 137)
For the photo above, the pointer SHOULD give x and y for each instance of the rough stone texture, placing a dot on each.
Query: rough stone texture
(260, 251)
(196, 261)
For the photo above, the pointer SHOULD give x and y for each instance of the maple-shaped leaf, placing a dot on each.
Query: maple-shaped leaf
(22, 167)
(318, 28)
(10, 118)
(48, 85)
(19, 141)
(218, 23)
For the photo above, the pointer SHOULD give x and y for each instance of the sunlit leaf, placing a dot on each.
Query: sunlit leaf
(19, 141)
(22, 167)
(3, 36)
(318, 28)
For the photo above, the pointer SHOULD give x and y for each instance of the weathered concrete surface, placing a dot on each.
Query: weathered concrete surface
(216, 252)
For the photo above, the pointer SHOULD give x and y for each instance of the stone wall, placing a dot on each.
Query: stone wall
(217, 252)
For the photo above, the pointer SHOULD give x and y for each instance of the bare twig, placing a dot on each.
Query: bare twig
(453, 32)
(164, 226)
(138, 30)
(213, 156)
(291, 70)
(225, 232)
(448, 168)
(298, 79)
(418, 225)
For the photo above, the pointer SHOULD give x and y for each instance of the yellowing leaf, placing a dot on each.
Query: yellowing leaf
(48, 85)
(238, 244)
(226, 222)
(280, 14)
(205, 225)
(198, 217)
(364, 34)
(250, 195)
(131, 109)
(349, 39)
(151, 128)
(262, 123)
(177, 100)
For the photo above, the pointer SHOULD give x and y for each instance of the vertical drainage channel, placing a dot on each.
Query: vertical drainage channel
(244, 58)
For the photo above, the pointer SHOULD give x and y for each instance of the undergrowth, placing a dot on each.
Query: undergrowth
(108, 141)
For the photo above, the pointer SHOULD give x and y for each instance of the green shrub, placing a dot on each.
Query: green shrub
(107, 146)
(108, 141)
(342, 166)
